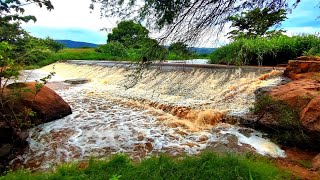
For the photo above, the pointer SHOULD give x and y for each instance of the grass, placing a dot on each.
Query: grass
(266, 51)
(205, 166)
(91, 54)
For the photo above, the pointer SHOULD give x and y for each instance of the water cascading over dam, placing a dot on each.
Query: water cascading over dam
(141, 112)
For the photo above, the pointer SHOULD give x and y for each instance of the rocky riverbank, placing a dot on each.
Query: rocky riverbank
(291, 112)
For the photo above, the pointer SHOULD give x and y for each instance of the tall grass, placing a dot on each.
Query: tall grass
(206, 166)
(266, 51)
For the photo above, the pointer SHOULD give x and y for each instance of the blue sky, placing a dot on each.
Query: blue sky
(77, 23)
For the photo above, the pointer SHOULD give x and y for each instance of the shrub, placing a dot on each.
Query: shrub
(113, 48)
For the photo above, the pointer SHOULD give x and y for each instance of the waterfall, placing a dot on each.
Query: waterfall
(145, 111)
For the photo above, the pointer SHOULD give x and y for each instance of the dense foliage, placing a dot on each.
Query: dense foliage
(129, 34)
(266, 51)
(256, 23)
(206, 166)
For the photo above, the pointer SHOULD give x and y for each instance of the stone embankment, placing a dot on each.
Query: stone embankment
(23, 106)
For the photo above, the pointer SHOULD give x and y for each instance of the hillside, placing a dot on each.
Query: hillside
(76, 44)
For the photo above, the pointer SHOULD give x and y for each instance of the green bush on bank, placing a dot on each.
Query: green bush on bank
(205, 166)
(266, 51)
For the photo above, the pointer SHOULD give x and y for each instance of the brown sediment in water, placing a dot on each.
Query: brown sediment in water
(191, 119)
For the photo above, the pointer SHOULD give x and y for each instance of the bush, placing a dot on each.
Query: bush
(266, 51)
(34, 56)
(114, 49)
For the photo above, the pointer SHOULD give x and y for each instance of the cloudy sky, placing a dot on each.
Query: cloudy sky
(73, 20)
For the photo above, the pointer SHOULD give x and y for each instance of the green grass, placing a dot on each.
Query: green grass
(78, 54)
(205, 166)
(91, 54)
(266, 51)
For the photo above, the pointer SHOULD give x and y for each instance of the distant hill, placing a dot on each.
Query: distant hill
(203, 50)
(76, 44)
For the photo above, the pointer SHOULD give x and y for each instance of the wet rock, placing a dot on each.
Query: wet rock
(5, 149)
(316, 163)
(77, 81)
(5, 133)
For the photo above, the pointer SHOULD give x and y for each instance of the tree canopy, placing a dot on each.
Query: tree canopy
(185, 20)
(128, 33)
(256, 23)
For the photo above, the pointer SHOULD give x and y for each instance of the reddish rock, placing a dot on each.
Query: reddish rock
(308, 58)
(299, 66)
(46, 103)
(316, 163)
(310, 115)
(304, 96)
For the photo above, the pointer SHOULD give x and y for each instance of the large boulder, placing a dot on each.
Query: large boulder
(47, 104)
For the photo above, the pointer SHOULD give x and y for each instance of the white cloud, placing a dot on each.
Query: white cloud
(301, 30)
(69, 14)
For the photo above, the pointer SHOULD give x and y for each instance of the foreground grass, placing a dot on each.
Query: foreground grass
(205, 166)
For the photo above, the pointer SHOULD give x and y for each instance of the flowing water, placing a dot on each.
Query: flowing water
(147, 111)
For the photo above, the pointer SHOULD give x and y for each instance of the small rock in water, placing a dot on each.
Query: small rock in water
(77, 81)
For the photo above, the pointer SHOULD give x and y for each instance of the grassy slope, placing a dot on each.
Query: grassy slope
(206, 166)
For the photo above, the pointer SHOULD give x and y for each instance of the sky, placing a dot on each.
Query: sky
(73, 20)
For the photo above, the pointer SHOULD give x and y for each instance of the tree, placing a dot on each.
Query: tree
(180, 49)
(128, 33)
(256, 23)
(184, 20)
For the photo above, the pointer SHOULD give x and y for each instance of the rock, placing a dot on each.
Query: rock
(302, 95)
(5, 149)
(77, 81)
(299, 66)
(46, 103)
(308, 58)
(316, 163)
(297, 93)
(5, 133)
(310, 115)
